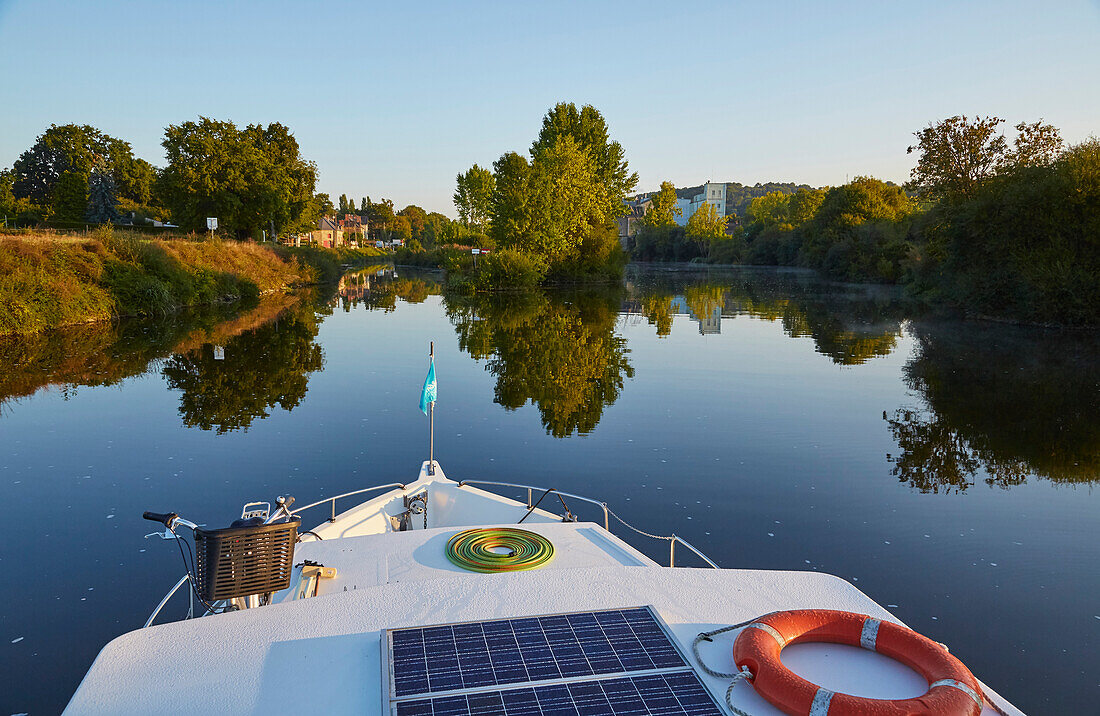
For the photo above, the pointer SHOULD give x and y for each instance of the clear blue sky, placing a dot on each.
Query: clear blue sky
(393, 99)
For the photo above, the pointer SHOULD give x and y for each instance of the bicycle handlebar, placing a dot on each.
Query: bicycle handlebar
(165, 519)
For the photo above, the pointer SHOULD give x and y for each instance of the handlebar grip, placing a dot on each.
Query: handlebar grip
(163, 518)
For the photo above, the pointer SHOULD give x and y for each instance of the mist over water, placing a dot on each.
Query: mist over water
(776, 421)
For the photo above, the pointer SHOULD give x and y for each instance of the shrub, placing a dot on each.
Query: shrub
(509, 268)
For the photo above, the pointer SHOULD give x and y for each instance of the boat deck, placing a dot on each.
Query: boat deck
(419, 555)
(325, 654)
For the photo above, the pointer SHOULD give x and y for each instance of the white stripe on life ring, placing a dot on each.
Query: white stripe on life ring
(820, 706)
(770, 630)
(960, 686)
(869, 635)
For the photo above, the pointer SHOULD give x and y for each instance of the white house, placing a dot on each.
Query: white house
(713, 194)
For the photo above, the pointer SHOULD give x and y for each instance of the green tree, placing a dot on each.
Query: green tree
(705, 224)
(956, 155)
(510, 219)
(7, 197)
(559, 206)
(134, 178)
(1036, 145)
(437, 230)
(400, 228)
(860, 232)
(589, 130)
(473, 197)
(705, 228)
(771, 211)
(70, 196)
(1025, 245)
(663, 210)
(864, 199)
(417, 218)
(66, 154)
(245, 177)
(380, 216)
(567, 201)
(803, 206)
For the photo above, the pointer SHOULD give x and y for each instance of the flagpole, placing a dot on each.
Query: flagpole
(431, 419)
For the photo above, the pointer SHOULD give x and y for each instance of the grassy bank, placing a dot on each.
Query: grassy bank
(48, 281)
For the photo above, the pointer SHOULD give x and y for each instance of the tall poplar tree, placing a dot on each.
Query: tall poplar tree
(473, 195)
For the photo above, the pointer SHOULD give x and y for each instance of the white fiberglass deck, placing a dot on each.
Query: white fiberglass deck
(324, 654)
(419, 555)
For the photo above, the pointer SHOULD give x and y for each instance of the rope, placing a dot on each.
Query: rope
(734, 677)
(989, 702)
(473, 550)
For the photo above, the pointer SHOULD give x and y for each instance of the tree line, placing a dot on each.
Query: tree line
(252, 178)
(994, 227)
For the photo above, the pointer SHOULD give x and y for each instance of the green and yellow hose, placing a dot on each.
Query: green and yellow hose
(474, 549)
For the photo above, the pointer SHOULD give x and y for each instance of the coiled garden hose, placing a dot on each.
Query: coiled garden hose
(474, 549)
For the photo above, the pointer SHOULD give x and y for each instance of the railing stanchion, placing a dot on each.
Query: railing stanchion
(167, 596)
(672, 551)
(528, 498)
(333, 518)
(606, 518)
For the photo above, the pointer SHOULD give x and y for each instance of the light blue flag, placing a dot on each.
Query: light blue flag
(427, 395)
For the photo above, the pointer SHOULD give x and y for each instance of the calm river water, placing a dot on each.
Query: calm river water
(947, 469)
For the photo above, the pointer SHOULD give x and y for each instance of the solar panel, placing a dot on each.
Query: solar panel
(509, 651)
(665, 694)
(605, 662)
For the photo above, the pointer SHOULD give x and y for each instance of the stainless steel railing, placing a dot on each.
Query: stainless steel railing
(607, 513)
(332, 501)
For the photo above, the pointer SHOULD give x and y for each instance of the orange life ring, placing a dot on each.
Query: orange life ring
(952, 689)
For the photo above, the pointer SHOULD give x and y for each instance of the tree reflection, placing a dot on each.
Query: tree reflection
(262, 367)
(558, 351)
(1007, 401)
(850, 324)
(108, 353)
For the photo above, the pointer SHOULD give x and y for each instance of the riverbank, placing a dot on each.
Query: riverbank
(49, 281)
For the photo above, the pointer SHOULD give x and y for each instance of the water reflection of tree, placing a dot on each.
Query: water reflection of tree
(850, 324)
(559, 351)
(107, 353)
(1005, 401)
(262, 367)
